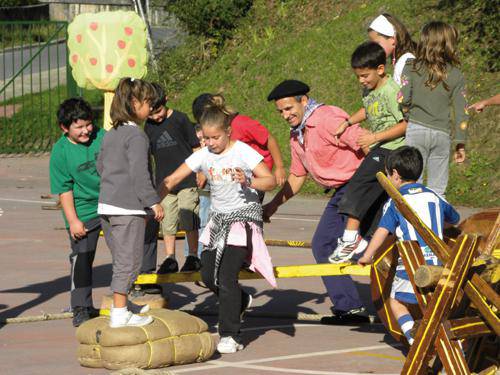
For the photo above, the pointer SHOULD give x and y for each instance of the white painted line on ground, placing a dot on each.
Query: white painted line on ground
(215, 364)
(26, 201)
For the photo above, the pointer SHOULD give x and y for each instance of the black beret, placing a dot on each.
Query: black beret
(288, 88)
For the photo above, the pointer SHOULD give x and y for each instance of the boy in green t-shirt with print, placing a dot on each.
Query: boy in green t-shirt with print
(364, 196)
(73, 176)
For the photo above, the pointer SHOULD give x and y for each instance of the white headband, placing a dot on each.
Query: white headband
(382, 26)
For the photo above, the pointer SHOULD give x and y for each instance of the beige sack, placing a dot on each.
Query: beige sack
(173, 338)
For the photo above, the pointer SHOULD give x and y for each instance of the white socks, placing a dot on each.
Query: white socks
(349, 235)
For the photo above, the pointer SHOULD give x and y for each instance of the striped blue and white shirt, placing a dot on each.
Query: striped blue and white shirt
(430, 207)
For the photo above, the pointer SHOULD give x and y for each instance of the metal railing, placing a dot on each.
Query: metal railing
(35, 77)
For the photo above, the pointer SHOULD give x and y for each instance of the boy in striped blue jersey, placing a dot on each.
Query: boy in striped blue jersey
(403, 167)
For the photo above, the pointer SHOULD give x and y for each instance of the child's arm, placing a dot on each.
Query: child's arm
(77, 229)
(274, 149)
(356, 118)
(377, 240)
(481, 105)
(396, 131)
(171, 181)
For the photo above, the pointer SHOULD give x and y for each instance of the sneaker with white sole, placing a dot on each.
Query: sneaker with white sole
(346, 250)
(129, 320)
(228, 345)
(134, 308)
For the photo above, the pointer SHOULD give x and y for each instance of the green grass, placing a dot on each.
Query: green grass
(34, 128)
(312, 41)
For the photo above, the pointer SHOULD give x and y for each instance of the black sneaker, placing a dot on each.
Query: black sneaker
(93, 312)
(246, 302)
(353, 316)
(191, 264)
(80, 315)
(169, 265)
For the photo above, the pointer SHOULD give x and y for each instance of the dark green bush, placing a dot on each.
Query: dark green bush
(17, 3)
(213, 19)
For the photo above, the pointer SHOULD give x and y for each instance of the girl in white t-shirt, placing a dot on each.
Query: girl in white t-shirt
(233, 236)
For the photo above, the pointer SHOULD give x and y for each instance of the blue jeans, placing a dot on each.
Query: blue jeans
(204, 211)
(434, 145)
(341, 289)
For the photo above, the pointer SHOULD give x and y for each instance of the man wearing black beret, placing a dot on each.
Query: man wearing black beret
(330, 161)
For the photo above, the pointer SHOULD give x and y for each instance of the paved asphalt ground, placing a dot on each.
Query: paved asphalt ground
(34, 280)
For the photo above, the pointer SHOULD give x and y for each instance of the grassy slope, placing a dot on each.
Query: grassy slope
(312, 41)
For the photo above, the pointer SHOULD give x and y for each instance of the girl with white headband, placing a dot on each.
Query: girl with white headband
(394, 38)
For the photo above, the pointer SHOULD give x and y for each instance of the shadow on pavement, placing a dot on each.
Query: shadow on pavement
(49, 289)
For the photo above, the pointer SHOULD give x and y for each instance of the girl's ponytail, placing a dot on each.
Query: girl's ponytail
(217, 113)
(122, 109)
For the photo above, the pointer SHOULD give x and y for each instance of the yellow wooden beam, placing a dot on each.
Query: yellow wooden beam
(281, 272)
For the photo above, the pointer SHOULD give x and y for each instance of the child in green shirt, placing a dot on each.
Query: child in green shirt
(73, 176)
(364, 196)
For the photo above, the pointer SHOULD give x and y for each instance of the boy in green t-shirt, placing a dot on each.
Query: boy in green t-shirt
(73, 176)
(364, 196)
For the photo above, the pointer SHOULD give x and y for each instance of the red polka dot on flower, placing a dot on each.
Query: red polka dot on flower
(74, 58)
(129, 31)
(121, 44)
(93, 26)
(93, 61)
(109, 68)
(131, 63)
(79, 38)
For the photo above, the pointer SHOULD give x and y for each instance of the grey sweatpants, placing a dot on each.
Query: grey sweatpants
(125, 238)
(435, 148)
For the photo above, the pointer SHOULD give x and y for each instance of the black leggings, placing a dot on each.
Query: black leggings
(229, 292)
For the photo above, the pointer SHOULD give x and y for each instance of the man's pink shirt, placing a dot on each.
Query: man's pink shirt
(331, 162)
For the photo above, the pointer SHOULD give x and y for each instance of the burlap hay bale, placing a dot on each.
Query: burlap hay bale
(155, 301)
(173, 338)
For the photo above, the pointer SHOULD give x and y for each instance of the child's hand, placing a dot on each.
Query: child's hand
(77, 230)
(158, 211)
(367, 139)
(365, 260)
(340, 130)
(280, 174)
(240, 177)
(479, 106)
(201, 180)
(459, 155)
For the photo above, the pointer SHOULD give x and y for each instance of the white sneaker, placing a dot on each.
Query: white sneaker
(228, 345)
(346, 250)
(129, 320)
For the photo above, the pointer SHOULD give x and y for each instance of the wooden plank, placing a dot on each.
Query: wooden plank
(476, 296)
(440, 304)
(450, 353)
(466, 328)
(493, 237)
(306, 270)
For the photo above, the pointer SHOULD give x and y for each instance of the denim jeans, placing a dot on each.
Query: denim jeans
(435, 148)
